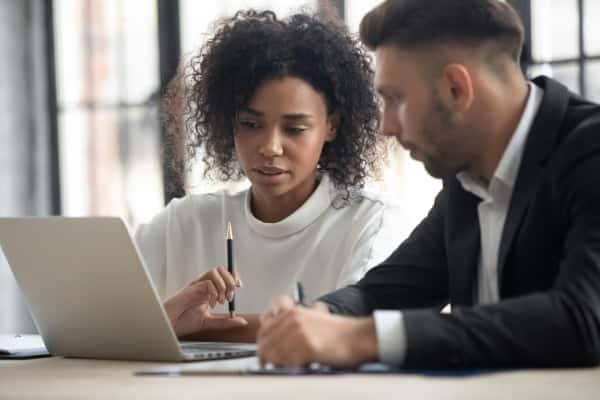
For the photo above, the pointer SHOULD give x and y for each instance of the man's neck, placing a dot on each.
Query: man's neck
(506, 110)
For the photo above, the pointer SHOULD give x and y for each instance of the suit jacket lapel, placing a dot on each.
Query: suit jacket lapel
(540, 143)
(463, 243)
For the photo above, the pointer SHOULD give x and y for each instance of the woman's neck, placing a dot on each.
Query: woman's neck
(270, 209)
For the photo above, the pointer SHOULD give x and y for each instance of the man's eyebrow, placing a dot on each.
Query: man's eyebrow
(387, 91)
(382, 90)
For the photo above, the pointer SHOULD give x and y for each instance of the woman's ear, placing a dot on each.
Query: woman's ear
(333, 123)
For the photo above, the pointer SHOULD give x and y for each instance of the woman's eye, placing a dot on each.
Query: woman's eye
(295, 130)
(248, 124)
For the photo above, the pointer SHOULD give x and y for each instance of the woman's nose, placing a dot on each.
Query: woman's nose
(271, 145)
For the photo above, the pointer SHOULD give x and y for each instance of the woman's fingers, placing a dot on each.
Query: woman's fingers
(223, 281)
(238, 280)
(230, 282)
(218, 322)
(202, 292)
(215, 276)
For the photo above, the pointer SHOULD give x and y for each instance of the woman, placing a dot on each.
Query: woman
(289, 105)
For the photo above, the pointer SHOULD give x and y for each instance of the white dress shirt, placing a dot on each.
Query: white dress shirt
(492, 211)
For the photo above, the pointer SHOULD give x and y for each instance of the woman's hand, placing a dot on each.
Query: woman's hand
(189, 309)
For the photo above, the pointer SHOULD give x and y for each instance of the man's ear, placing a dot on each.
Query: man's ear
(333, 123)
(457, 88)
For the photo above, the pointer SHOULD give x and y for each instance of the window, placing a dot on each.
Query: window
(107, 77)
(565, 43)
(197, 16)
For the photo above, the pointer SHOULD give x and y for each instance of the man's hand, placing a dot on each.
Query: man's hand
(189, 309)
(292, 336)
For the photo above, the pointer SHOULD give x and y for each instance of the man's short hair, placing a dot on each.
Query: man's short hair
(414, 23)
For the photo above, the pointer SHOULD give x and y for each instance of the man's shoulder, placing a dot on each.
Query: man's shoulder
(581, 135)
(566, 129)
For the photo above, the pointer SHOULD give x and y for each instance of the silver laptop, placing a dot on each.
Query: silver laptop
(90, 294)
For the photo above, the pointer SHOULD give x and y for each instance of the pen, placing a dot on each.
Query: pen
(299, 294)
(229, 239)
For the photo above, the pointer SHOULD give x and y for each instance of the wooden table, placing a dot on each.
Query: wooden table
(60, 378)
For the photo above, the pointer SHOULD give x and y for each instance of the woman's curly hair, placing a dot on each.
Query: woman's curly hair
(202, 102)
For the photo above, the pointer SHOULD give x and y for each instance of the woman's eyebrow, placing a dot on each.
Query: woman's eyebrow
(297, 116)
(252, 111)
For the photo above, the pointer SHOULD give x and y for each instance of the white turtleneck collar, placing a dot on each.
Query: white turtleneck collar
(318, 202)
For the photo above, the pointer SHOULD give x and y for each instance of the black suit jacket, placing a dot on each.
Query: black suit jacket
(549, 259)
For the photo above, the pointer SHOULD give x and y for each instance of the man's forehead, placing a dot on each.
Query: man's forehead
(391, 58)
(392, 68)
(388, 54)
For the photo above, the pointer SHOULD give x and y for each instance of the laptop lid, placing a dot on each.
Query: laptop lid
(88, 291)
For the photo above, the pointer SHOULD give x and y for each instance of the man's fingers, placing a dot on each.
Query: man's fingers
(282, 347)
(280, 304)
(319, 306)
(289, 339)
(283, 302)
(273, 335)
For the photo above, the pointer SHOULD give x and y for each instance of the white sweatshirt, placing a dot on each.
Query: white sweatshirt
(322, 244)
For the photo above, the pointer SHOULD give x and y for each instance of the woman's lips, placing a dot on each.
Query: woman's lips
(270, 170)
(270, 175)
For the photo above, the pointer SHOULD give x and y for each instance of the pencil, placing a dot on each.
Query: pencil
(229, 239)
(299, 294)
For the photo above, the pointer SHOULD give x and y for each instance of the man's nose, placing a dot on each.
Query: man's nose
(391, 125)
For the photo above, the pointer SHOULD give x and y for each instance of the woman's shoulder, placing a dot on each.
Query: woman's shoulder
(192, 212)
(206, 203)
(368, 198)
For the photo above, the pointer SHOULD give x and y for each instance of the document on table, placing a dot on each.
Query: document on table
(22, 346)
(251, 366)
(241, 366)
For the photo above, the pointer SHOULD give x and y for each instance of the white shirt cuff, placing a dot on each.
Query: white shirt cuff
(391, 336)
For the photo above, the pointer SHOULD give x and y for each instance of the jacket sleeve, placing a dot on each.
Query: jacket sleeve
(414, 275)
(558, 327)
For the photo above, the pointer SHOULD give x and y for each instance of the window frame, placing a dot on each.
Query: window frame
(523, 7)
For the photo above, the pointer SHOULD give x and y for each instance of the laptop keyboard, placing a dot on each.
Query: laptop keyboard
(217, 350)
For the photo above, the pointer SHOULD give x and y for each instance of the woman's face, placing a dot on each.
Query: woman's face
(279, 137)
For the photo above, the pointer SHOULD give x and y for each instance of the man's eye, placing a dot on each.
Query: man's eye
(397, 99)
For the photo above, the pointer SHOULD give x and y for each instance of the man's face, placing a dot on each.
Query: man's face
(415, 114)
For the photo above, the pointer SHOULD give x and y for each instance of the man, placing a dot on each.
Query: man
(513, 239)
